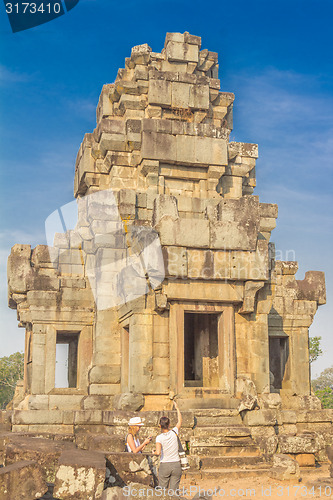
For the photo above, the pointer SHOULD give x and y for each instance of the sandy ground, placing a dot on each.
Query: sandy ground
(314, 484)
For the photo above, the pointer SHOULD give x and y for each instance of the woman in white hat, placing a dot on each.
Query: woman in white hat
(132, 441)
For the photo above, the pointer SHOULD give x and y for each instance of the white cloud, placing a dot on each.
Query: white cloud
(10, 76)
(289, 111)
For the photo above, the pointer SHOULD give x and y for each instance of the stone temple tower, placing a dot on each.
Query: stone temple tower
(167, 283)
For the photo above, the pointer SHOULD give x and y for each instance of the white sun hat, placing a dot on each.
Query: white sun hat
(136, 421)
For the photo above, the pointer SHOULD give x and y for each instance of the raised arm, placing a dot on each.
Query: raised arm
(137, 449)
(179, 415)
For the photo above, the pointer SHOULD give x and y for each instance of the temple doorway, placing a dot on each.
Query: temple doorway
(201, 359)
(278, 356)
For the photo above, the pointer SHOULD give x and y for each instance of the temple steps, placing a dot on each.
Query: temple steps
(217, 418)
(225, 473)
(229, 462)
(218, 421)
(224, 447)
(248, 450)
(223, 431)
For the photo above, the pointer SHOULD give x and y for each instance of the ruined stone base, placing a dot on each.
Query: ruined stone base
(206, 433)
(73, 447)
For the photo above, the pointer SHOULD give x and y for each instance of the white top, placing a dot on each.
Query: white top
(136, 442)
(169, 444)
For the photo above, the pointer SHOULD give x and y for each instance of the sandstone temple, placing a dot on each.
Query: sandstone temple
(166, 285)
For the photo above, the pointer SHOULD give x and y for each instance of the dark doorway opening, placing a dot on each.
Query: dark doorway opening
(67, 359)
(278, 356)
(201, 367)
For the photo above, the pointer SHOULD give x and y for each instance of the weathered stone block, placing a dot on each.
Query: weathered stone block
(80, 475)
(129, 401)
(105, 374)
(312, 287)
(199, 97)
(110, 126)
(94, 402)
(180, 95)
(260, 417)
(38, 402)
(45, 452)
(125, 468)
(140, 54)
(44, 256)
(184, 232)
(211, 151)
(266, 438)
(284, 468)
(242, 149)
(105, 442)
(201, 264)
(18, 268)
(164, 205)
(177, 51)
(288, 417)
(185, 149)
(268, 210)
(159, 92)
(314, 416)
(174, 37)
(157, 146)
(27, 417)
(305, 443)
(236, 225)
(175, 261)
(88, 417)
(22, 480)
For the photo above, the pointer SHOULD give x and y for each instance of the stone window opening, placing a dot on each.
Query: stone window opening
(66, 372)
(278, 357)
(201, 368)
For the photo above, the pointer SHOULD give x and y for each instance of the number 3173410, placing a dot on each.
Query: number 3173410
(32, 8)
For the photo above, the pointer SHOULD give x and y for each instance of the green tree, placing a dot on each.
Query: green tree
(325, 396)
(314, 348)
(11, 370)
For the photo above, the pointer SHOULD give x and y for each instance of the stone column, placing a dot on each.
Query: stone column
(252, 348)
(38, 344)
(104, 376)
(141, 352)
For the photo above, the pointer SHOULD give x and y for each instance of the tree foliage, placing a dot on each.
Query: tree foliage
(314, 348)
(11, 370)
(323, 387)
(325, 396)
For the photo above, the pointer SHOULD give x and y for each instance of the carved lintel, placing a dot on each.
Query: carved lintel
(250, 290)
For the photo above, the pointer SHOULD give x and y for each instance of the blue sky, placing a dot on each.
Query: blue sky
(275, 56)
